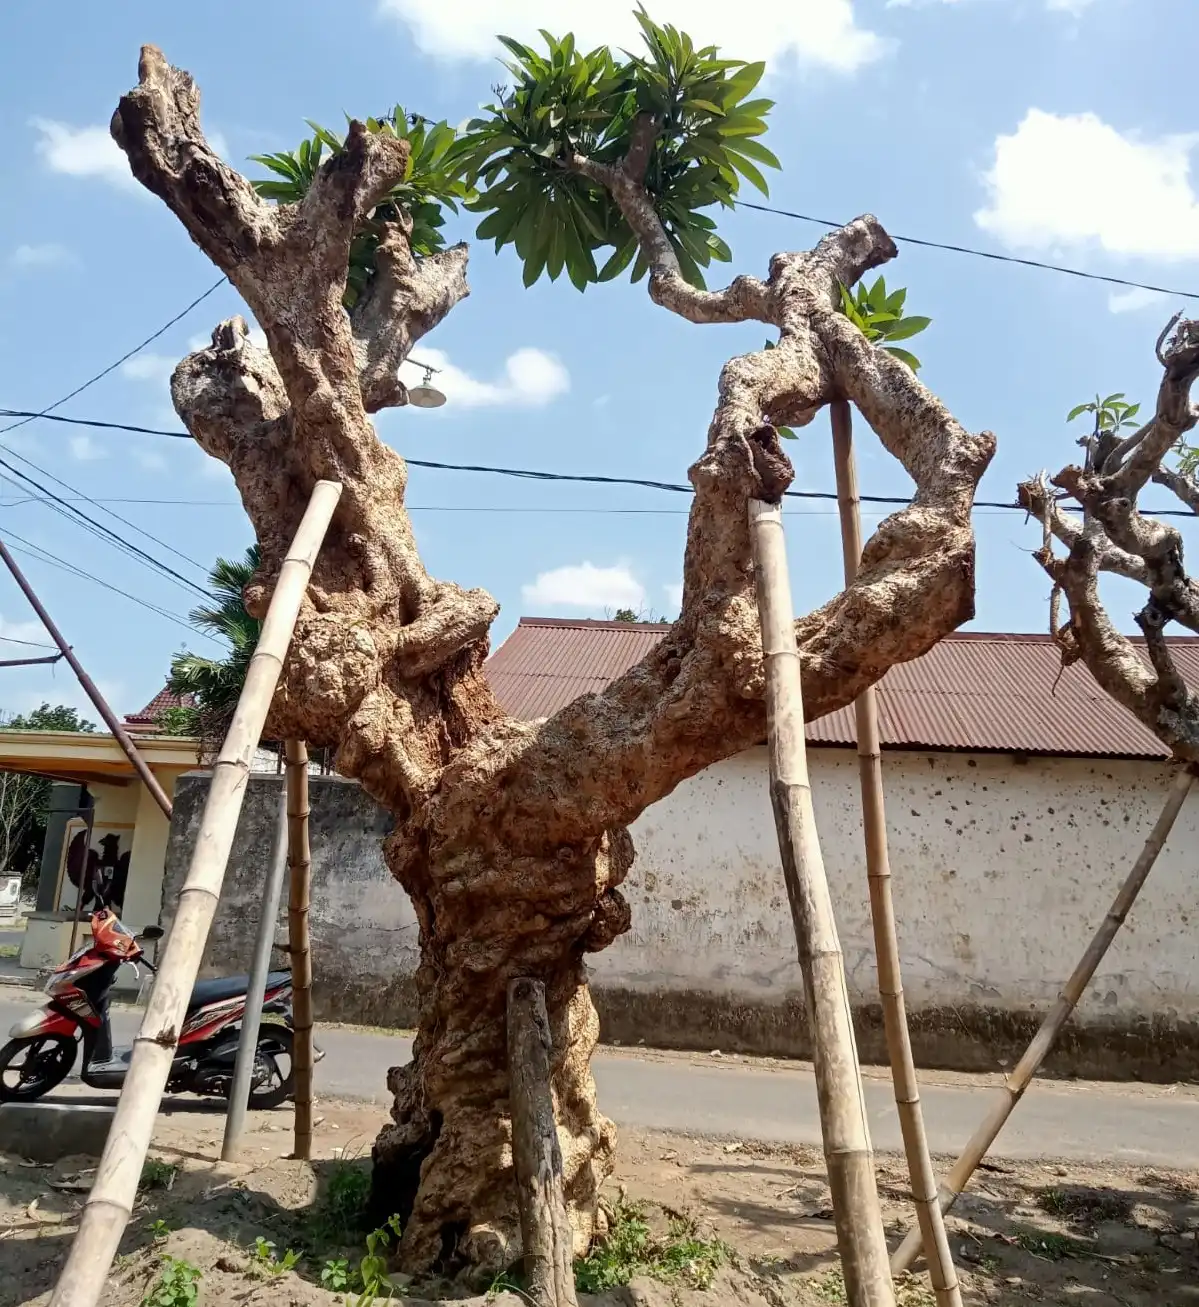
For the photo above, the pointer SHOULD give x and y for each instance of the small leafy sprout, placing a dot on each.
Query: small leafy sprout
(505, 1282)
(340, 1215)
(1051, 1247)
(335, 1275)
(879, 316)
(264, 1256)
(157, 1174)
(158, 1230)
(1110, 414)
(372, 1269)
(176, 1285)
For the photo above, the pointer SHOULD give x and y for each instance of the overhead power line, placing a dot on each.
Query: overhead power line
(991, 255)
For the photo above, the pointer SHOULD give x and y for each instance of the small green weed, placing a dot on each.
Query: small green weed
(372, 1269)
(1051, 1247)
(340, 1214)
(1085, 1207)
(158, 1230)
(909, 1290)
(630, 1249)
(157, 1175)
(176, 1285)
(506, 1282)
(265, 1259)
(336, 1275)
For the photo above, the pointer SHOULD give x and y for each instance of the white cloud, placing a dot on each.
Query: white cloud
(83, 152)
(674, 594)
(822, 32)
(1132, 301)
(91, 152)
(1074, 180)
(47, 255)
(532, 378)
(31, 632)
(149, 367)
(586, 586)
(85, 449)
(1074, 7)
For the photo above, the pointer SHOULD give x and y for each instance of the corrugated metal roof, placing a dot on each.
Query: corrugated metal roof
(973, 691)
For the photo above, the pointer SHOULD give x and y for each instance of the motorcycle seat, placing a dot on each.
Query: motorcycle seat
(222, 987)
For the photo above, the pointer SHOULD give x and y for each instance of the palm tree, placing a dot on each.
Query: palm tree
(215, 683)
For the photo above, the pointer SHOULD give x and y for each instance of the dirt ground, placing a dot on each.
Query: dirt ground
(1096, 1236)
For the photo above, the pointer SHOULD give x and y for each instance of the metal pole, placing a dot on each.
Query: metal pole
(247, 1045)
(119, 733)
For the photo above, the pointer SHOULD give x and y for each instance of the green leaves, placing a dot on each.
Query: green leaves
(1110, 414)
(565, 104)
(433, 182)
(878, 314)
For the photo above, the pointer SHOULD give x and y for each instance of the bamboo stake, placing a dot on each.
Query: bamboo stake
(299, 859)
(536, 1154)
(1046, 1036)
(119, 733)
(847, 1150)
(110, 1202)
(882, 906)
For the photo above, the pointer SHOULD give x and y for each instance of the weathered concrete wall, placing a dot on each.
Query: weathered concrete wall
(1002, 870)
(364, 936)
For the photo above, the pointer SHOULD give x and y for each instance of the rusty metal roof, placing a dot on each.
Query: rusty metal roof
(163, 701)
(972, 692)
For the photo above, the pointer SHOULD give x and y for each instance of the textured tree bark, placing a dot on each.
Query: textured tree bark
(547, 1238)
(510, 837)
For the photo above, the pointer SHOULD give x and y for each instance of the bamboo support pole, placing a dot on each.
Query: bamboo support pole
(1051, 1027)
(843, 1123)
(119, 733)
(298, 941)
(260, 966)
(110, 1202)
(536, 1154)
(882, 906)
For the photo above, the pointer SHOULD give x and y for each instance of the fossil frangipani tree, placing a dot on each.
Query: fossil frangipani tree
(511, 837)
(1107, 533)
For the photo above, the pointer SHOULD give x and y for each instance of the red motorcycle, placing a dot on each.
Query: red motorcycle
(43, 1046)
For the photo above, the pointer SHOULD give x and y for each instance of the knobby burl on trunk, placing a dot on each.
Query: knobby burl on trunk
(1112, 535)
(510, 836)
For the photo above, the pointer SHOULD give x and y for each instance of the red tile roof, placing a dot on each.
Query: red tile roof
(161, 702)
(972, 692)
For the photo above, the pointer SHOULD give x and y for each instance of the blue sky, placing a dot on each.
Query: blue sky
(1048, 128)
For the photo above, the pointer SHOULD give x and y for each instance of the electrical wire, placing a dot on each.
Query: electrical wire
(978, 254)
(52, 560)
(530, 474)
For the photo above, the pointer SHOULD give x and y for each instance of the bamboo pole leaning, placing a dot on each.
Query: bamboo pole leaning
(843, 1124)
(1059, 1014)
(299, 945)
(882, 906)
(110, 1202)
(546, 1234)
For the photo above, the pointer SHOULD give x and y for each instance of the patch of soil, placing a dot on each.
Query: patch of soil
(1103, 1236)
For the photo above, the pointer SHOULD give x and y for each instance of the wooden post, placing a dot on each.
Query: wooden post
(1046, 1036)
(847, 1150)
(110, 1202)
(299, 861)
(119, 733)
(536, 1154)
(882, 907)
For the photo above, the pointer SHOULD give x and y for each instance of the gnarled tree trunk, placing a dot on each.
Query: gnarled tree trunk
(511, 837)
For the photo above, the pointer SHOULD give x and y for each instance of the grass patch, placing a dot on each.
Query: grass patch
(630, 1248)
(910, 1291)
(1051, 1247)
(10, 950)
(157, 1175)
(339, 1216)
(1085, 1206)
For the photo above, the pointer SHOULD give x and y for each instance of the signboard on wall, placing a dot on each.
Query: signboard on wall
(100, 869)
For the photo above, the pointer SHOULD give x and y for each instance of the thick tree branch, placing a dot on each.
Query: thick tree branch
(1181, 483)
(1175, 415)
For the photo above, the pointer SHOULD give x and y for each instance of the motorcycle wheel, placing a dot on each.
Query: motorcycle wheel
(275, 1052)
(40, 1062)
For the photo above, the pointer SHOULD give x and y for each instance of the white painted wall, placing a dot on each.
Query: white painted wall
(1002, 871)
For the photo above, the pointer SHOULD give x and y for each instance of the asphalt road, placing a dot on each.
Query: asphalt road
(741, 1099)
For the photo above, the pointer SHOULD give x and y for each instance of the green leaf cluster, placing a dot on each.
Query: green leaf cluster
(432, 182)
(565, 103)
(878, 314)
(177, 1285)
(1110, 414)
